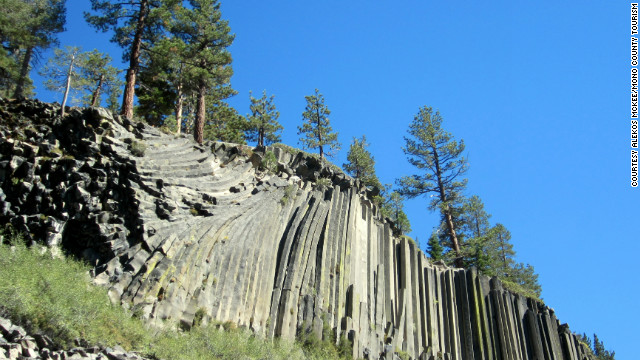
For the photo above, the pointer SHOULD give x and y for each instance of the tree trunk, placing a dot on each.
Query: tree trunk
(447, 212)
(24, 72)
(179, 105)
(320, 135)
(134, 61)
(504, 256)
(96, 93)
(198, 127)
(66, 89)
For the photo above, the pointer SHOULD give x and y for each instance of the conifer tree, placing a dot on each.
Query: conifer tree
(434, 249)
(98, 77)
(264, 127)
(316, 130)
(395, 205)
(475, 220)
(84, 73)
(164, 87)
(206, 37)
(224, 122)
(61, 71)
(136, 25)
(361, 164)
(13, 18)
(599, 350)
(525, 276)
(438, 157)
(26, 27)
(501, 250)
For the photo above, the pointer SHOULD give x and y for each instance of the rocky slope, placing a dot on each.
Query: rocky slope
(179, 231)
(15, 343)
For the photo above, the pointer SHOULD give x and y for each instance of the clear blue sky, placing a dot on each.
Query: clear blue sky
(539, 93)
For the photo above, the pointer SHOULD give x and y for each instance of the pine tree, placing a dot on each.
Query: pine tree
(501, 250)
(598, 346)
(87, 74)
(316, 130)
(13, 18)
(524, 275)
(395, 204)
(206, 37)
(61, 71)
(599, 350)
(164, 88)
(27, 27)
(472, 224)
(264, 127)
(439, 158)
(98, 77)
(135, 24)
(434, 249)
(225, 123)
(361, 164)
(475, 220)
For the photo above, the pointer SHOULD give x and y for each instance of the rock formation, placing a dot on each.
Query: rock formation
(175, 229)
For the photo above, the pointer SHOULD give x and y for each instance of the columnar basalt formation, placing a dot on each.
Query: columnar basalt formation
(283, 250)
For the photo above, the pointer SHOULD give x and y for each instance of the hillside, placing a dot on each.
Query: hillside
(178, 231)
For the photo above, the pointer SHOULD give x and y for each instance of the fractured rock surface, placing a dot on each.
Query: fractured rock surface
(186, 228)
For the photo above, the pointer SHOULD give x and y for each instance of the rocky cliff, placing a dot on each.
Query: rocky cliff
(283, 248)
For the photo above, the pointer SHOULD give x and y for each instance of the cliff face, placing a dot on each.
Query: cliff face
(187, 229)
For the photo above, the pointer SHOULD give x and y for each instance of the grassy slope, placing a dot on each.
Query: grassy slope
(54, 296)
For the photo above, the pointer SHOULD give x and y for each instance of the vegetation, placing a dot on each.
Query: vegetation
(326, 347)
(434, 249)
(135, 26)
(61, 71)
(51, 295)
(597, 347)
(316, 131)
(264, 127)
(269, 162)
(439, 160)
(323, 184)
(289, 194)
(98, 77)
(87, 74)
(205, 36)
(393, 208)
(26, 28)
(360, 163)
(138, 148)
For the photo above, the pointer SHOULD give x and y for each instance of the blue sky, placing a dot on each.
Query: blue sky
(539, 93)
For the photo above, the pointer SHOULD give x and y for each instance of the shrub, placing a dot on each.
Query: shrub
(269, 162)
(289, 193)
(138, 148)
(199, 316)
(323, 184)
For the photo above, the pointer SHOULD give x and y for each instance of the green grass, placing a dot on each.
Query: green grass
(54, 296)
